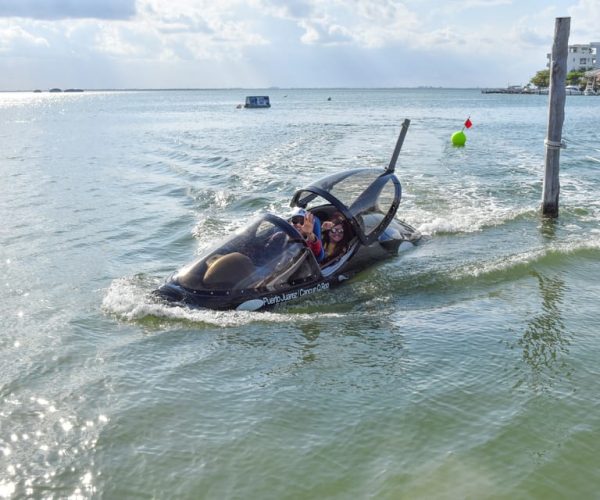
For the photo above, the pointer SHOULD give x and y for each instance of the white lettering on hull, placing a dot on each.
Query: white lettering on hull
(296, 294)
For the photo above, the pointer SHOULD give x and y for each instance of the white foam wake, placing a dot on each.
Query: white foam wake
(130, 299)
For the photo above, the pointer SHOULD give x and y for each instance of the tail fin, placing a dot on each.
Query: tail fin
(392, 166)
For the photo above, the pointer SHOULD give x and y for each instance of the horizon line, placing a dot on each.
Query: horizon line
(155, 89)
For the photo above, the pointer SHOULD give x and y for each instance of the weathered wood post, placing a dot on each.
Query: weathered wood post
(556, 115)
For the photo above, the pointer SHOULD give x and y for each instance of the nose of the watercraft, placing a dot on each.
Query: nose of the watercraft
(169, 292)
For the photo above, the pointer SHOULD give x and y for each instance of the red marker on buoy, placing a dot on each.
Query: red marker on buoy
(459, 138)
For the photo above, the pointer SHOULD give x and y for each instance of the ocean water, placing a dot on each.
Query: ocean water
(464, 368)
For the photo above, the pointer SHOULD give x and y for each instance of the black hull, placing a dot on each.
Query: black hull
(270, 262)
(248, 299)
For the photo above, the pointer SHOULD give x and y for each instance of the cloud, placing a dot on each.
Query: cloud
(525, 36)
(67, 9)
(285, 42)
(585, 21)
(324, 33)
(14, 40)
(161, 31)
(184, 24)
(364, 23)
(292, 9)
(199, 29)
(125, 42)
(471, 4)
(384, 22)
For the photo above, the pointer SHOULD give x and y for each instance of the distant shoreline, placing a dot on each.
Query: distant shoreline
(193, 89)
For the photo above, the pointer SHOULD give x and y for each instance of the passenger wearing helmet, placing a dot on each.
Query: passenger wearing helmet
(309, 227)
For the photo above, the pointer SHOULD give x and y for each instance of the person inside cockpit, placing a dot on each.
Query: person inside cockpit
(309, 226)
(336, 235)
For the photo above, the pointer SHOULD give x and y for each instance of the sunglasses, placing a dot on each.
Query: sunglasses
(337, 231)
(298, 219)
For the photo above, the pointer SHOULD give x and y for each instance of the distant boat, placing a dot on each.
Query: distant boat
(573, 90)
(257, 101)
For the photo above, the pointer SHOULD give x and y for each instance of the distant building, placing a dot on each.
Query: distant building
(581, 57)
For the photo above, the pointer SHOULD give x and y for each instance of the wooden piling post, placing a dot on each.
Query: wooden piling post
(556, 115)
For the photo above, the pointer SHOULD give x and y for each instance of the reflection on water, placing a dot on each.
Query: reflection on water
(548, 228)
(544, 342)
(311, 334)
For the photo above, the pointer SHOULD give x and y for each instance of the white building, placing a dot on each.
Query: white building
(582, 57)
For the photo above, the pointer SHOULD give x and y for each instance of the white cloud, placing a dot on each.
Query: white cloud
(384, 22)
(162, 31)
(585, 21)
(526, 34)
(366, 23)
(461, 5)
(16, 41)
(324, 33)
(198, 29)
(298, 10)
(291, 42)
(65, 9)
(126, 42)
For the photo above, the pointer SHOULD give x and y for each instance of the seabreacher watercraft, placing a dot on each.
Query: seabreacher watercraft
(269, 262)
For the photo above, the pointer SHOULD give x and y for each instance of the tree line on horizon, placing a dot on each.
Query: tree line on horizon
(542, 78)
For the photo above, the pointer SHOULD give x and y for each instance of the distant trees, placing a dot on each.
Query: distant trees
(542, 78)
(575, 77)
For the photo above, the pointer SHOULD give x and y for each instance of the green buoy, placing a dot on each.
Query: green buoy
(458, 138)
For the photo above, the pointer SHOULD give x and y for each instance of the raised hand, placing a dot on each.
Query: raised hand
(307, 227)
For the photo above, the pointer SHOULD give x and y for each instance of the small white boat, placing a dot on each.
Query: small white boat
(573, 90)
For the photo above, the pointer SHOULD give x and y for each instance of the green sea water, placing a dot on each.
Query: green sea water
(464, 368)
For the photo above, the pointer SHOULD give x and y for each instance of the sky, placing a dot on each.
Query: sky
(100, 44)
